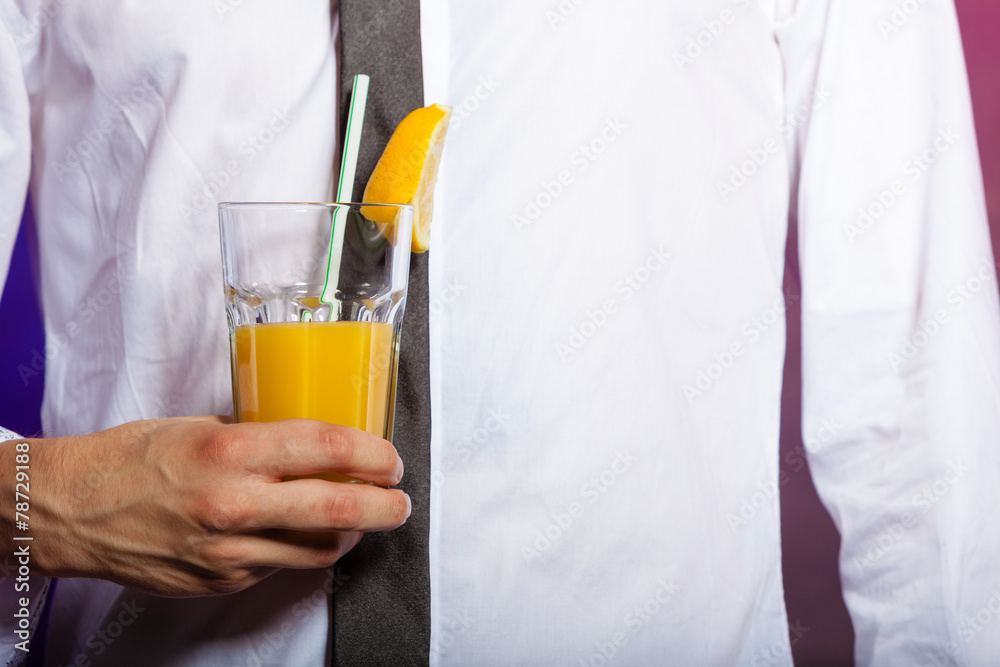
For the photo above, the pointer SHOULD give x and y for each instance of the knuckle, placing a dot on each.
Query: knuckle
(222, 513)
(224, 448)
(339, 444)
(326, 556)
(345, 511)
(226, 557)
(228, 584)
(193, 548)
(219, 587)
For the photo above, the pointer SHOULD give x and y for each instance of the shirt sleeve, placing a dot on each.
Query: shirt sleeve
(15, 165)
(15, 139)
(901, 335)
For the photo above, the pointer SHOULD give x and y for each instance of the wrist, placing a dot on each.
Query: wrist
(7, 481)
(16, 498)
(30, 479)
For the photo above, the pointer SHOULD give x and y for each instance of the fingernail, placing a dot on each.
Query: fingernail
(409, 506)
(399, 473)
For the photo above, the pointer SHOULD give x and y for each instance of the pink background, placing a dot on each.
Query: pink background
(812, 587)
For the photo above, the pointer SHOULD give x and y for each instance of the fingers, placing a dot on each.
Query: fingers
(306, 447)
(297, 550)
(318, 505)
(214, 419)
(241, 561)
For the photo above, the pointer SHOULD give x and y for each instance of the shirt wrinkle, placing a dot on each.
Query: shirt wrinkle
(551, 202)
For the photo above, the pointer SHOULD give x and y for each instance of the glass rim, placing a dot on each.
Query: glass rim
(237, 205)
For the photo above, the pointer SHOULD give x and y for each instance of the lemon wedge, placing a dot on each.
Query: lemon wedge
(407, 171)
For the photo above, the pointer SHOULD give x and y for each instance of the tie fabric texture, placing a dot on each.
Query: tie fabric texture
(381, 613)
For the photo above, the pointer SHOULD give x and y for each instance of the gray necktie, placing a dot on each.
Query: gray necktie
(381, 614)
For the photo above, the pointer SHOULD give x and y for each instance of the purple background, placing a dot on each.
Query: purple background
(812, 587)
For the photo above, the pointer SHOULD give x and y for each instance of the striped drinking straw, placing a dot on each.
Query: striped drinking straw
(345, 187)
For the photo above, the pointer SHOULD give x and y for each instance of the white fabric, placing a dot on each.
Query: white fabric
(141, 119)
(607, 320)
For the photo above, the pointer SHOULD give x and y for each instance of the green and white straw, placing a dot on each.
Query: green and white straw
(345, 187)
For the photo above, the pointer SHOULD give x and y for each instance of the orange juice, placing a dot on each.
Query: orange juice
(338, 372)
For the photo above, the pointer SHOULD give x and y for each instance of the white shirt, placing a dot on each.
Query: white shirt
(607, 319)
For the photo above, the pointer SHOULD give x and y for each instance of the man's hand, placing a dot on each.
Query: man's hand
(196, 506)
